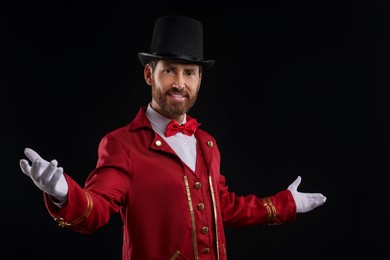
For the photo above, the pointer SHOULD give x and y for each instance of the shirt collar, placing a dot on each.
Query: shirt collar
(158, 121)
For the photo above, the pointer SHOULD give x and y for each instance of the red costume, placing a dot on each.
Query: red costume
(168, 211)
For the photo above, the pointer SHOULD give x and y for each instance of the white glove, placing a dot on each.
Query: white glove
(305, 201)
(46, 175)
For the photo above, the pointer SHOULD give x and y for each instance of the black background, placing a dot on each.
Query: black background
(298, 88)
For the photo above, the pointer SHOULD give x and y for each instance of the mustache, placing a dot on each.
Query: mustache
(175, 91)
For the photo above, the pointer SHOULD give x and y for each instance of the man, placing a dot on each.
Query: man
(161, 172)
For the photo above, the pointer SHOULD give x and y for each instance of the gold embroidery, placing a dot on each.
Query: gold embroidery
(215, 215)
(175, 255)
(192, 217)
(61, 222)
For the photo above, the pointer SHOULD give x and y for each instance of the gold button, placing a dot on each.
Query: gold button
(205, 230)
(158, 143)
(198, 185)
(200, 206)
(210, 143)
(206, 251)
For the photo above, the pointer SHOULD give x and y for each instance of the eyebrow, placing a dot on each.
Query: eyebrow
(175, 64)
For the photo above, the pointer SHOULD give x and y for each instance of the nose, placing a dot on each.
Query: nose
(179, 82)
(178, 86)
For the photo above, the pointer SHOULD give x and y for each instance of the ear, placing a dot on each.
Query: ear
(148, 75)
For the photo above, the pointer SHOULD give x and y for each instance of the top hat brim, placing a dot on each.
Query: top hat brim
(145, 58)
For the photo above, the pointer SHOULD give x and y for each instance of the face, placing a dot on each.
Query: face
(175, 87)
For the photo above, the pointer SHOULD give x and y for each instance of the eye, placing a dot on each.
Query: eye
(191, 73)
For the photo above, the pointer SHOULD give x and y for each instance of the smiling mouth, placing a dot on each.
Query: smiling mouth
(177, 97)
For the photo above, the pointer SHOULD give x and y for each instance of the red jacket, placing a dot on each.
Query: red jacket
(168, 211)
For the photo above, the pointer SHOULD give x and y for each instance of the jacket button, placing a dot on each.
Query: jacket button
(200, 206)
(158, 143)
(205, 230)
(206, 251)
(210, 143)
(198, 185)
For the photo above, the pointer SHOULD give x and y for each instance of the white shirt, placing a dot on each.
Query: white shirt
(183, 145)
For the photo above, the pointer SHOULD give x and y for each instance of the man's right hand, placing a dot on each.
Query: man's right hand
(46, 175)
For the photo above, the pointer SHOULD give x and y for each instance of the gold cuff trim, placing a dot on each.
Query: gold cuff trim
(271, 210)
(62, 223)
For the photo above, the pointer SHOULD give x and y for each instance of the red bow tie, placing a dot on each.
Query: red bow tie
(188, 128)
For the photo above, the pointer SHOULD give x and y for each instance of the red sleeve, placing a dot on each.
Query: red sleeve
(238, 211)
(105, 191)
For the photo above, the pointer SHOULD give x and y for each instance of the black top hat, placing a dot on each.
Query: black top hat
(177, 38)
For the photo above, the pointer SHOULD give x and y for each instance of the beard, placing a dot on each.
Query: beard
(172, 107)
